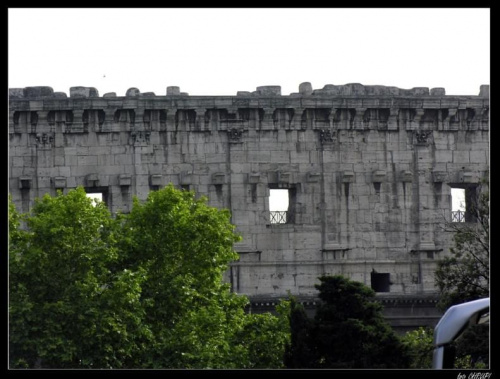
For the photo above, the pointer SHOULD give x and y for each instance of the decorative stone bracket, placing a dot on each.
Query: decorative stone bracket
(25, 182)
(348, 177)
(140, 136)
(235, 135)
(219, 178)
(186, 177)
(378, 176)
(327, 136)
(125, 180)
(44, 140)
(155, 180)
(254, 178)
(313, 177)
(59, 182)
(92, 180)
(406, 176)
(284, 177)
(421, 137)
(439, 176)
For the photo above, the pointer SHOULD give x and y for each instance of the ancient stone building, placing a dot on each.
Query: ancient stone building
(367, 171)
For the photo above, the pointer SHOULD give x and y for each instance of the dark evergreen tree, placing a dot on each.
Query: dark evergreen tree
(348, 331)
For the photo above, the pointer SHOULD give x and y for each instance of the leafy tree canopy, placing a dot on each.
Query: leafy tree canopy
(143, 290)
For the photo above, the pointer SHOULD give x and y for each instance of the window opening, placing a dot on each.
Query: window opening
(281, 205)
(463, 203)
(97, 194)
(458, 205)
(96, 197)
(380, 281)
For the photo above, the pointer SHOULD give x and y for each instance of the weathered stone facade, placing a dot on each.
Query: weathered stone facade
(368, 170)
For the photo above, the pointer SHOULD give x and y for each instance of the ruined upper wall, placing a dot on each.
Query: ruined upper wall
(305, 89)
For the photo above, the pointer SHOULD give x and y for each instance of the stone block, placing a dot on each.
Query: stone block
(461, 156)
(132, 92)
(25, 182)
(313, 177)
(219, 178)
(155, 180)
(92, 180)
(484, 91)
(479, 156)
(439, 176)
(305, 89)
(186, 178)
(269, 90)
(42, 92)
(83, 92)
(468, 177)
(254, 178)
(406, 176)
(16, 93)
(59, 182)
(379, 176)
(124, 180)
(438, 91)
(348, 177)
(173, 90)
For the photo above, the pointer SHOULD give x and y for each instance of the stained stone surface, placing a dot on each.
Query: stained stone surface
(369, 171)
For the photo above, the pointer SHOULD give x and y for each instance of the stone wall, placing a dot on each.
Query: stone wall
(368, 169)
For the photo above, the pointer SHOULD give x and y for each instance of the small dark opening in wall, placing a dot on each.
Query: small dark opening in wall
(218, 192)
(185, 187)
(380, 282)
(376, 185)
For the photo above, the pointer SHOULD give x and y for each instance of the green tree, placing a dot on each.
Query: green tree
(348, 330)
(67, 308)
(144, 290)
(465, 275)
(419, 343)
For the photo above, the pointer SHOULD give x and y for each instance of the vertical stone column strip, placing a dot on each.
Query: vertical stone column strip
(200, 119)
(267, 121)
(359, 123)
(393, 121)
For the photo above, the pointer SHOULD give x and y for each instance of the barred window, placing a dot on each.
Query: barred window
(281, 205)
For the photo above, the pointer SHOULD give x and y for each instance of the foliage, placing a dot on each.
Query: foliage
(299, 352)
(464, 276)
(348, 330)
(419, 343)
(143, 290)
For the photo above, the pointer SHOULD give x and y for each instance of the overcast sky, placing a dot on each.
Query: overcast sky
(222, 51)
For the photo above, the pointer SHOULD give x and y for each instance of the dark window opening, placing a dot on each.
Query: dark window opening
(185, 187)
(254, 193)
(380, 282)
(218, 192)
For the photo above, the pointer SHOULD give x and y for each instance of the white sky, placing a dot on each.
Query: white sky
(222, 51)
(278, 200)
(95, 196)
(457, 199)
